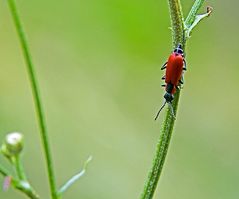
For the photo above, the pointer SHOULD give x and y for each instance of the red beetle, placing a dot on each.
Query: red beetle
(175, 66)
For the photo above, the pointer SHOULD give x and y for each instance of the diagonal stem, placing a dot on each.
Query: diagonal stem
(74, 178)
(36, 96)
(22, 186)
(193, 18)
(193, 12)
(25, 188)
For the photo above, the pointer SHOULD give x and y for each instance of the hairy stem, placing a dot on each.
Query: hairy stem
(177, 24)
(193, 12)
(36, 96)
(168, 123)
(193, 18)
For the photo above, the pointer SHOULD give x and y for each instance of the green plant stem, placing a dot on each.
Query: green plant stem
(36, 96)
(168, 123)
(193, 12)
(19, 169)
(176, 15)
(193, 18)
(22, 186)
(25, 188)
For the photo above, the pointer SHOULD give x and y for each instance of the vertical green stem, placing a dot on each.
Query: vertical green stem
(19, 169)
(168, 123)
(176, 16)
(36, 96)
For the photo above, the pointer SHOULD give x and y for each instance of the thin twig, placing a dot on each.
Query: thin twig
(36, 96)
(22, 186)
(74, 178)
(19, 168)
(193, 12)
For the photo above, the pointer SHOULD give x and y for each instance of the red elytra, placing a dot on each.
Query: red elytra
(174, 71)
(175, 66)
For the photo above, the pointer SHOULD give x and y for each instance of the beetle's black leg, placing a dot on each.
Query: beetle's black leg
(163, 78)
(185, 65)
(177, 87)
(164, 66)
(181, 81)
(163, 85)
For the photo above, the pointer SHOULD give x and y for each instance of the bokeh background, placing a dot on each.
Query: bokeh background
(98, 66)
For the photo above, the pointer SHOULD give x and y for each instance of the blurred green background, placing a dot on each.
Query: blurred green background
(98, 66)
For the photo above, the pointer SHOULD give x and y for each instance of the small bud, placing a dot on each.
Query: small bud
(209, 10)
(13, 144)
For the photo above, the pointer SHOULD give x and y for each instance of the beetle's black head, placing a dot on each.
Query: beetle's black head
(168, 97)
(179, 50)
(168, 100)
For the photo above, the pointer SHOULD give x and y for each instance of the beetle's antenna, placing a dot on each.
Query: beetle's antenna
(171, 109)
(160, 110)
